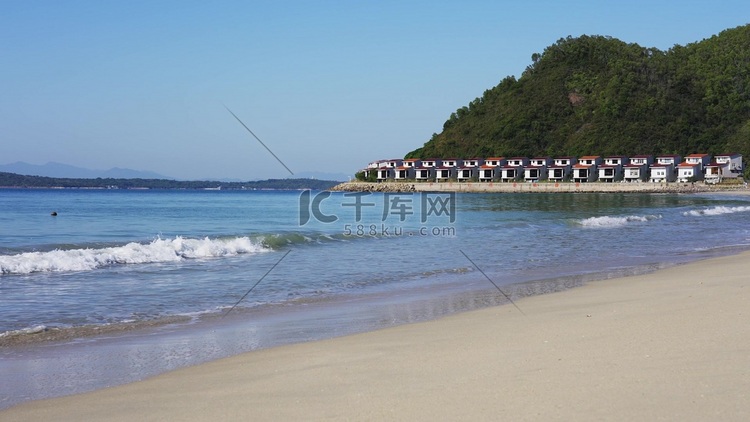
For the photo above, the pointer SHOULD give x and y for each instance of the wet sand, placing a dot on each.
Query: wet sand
(42, 334)
(669, 345)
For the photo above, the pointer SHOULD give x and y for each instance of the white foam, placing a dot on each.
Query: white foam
(30, 330)
(718, 210)
(159, 250)
(611, 222)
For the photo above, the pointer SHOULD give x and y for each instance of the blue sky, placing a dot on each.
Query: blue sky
(327, 85)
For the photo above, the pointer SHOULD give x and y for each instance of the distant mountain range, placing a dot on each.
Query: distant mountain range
(60, 170)
(53, 169)
(13, 180)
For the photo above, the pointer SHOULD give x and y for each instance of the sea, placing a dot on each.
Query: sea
(105, 287)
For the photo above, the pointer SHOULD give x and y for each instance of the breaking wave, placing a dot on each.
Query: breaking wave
(29, 330)
(159, 250)
(718, 210)
(277, 241)
(611, 222)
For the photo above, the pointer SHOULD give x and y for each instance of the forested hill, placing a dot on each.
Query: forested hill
(599, 95)
(23, 181)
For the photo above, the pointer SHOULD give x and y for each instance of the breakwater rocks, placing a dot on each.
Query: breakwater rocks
(541, 187)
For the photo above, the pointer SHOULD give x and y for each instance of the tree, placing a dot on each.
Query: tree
(599, 95)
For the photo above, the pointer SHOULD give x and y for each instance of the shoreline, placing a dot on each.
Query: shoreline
(41, 336)
(101, 354)
(541, 187)
(668, 344)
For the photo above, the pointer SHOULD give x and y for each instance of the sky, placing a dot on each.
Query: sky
(327, 86)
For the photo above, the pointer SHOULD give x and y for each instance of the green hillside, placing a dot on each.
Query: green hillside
(599, 95)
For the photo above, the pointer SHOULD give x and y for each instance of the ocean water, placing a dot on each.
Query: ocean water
(124, 284)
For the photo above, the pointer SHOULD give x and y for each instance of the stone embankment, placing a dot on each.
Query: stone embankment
(542, 187)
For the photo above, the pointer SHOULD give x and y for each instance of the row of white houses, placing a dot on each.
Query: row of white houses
(639, 168)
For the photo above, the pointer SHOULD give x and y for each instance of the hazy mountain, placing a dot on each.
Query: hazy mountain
(25, 181)
(53, 169)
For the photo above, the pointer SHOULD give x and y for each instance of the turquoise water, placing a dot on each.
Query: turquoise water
(260, 268)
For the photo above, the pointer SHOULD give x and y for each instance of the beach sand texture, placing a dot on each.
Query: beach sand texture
(671, 345)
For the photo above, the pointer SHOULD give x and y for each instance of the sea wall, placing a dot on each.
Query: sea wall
(543, 187)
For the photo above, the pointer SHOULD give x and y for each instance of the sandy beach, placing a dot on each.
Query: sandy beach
(670, 345)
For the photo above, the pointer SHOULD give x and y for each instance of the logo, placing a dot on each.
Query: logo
(419, 213)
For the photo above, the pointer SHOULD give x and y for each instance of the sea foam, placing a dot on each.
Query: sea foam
(29, 330)
(718, 210)
(159, 250)
(612, 222)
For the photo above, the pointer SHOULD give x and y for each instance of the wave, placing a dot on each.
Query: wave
(612, 222)
(36, 329)
(159, 250)
(277, 241)
(718, 210)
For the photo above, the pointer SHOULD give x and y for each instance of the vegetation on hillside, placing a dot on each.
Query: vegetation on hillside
(599, 95)
(22, 181)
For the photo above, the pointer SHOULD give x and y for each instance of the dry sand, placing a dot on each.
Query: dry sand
(672, 345)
